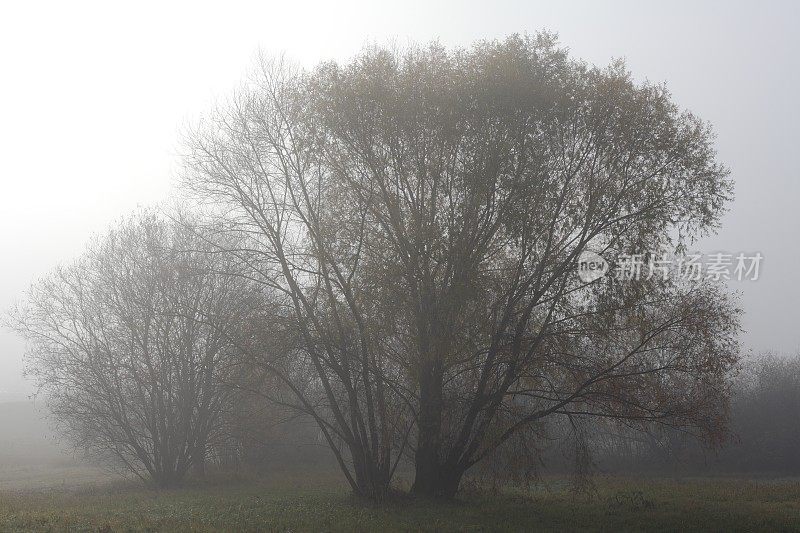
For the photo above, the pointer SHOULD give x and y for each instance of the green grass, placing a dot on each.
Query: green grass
(286, 502)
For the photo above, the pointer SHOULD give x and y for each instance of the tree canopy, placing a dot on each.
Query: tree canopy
(420, 212)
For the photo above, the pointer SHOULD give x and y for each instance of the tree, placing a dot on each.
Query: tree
(131, 345)
(437, 202)
(252, 164)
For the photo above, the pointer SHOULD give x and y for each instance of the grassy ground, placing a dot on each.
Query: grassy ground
(290, 503)
(49, 475)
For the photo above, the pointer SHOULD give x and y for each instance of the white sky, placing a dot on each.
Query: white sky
(93, 94)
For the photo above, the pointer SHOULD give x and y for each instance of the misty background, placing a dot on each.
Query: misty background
(91, 102)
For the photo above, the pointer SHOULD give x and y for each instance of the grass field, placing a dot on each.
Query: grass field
(287, 502)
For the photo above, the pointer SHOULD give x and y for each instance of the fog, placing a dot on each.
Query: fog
(94, 97)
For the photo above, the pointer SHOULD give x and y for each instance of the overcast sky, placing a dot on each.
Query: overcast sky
(92, 96)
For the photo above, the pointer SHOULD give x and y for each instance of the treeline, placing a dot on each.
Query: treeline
(388, 249)
(763, 434)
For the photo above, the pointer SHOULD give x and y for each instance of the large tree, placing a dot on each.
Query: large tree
(424, 211)
(134, 345)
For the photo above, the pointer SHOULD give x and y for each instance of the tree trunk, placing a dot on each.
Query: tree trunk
(430, 479)
(199, 465)
(437, 480)
(371, 477)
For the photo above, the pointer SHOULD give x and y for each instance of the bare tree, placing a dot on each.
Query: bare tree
(423, 212)
(131, 345)
(253, 165)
